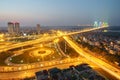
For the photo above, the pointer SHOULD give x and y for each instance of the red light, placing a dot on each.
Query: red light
(16, 22)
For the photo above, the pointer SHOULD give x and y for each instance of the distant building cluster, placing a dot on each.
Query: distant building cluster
(79, 72)
(13, 28)
(99, 39)
(100, 24)
(38, 28)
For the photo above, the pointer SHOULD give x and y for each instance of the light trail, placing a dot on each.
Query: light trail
(86, 30)
(105, 66)
(44, 39)
(53, 63)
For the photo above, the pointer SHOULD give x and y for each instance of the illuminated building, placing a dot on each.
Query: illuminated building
(100, 24)
(95, 24)
(11, 28)
(1, 37)
(105, 24)
(38, 28)
(17, 28)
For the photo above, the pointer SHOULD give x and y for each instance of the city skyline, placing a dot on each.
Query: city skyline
(59, 12)
(59, 40)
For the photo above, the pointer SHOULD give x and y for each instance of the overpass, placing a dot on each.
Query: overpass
(45, 39)
(28, 70)
(104, 65)
(31, 42)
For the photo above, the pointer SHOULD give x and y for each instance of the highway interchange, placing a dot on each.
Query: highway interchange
(28, 70)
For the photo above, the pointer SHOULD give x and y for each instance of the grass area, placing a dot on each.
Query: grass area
(20, 39)
(4, 56)
(65, 47)
(25, 58)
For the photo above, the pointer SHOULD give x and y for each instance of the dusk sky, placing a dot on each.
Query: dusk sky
(59, 12)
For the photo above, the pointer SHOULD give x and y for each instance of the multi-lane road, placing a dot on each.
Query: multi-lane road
(44, 39)
(105, 66)
(28, 70)
(21, 70)
(31, 42)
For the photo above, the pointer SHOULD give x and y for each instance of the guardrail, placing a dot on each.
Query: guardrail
(23, 67)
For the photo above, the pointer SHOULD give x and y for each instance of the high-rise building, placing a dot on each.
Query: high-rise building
(95, 24)
(38, 28)
(17, 28)
(100, 24)
(11, 28)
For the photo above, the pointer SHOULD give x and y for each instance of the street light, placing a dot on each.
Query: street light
(41, 65)
(10, 59)
(61, 62)
(19, 68)
(53, 57)
(41, 45)
(38, 59)
(56, 40)
(21, 61)
(8, 64)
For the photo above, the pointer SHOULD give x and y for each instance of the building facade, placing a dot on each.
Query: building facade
(38, 28)
(17, 28)
(11, 28)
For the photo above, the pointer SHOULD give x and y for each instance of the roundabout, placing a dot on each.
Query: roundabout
(42, 52)
(32, 55)
(25, 61)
